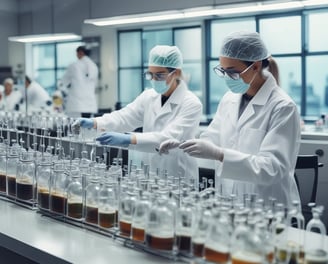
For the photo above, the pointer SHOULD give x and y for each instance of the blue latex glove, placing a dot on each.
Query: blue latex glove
(86, 122)
(114, 139)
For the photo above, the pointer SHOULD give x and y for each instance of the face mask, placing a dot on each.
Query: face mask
(160, 86)
(237, 86)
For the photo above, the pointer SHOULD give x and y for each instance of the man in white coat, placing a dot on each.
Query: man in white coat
(79, 84)
(37, 97)
(166, 110)
(255, 134)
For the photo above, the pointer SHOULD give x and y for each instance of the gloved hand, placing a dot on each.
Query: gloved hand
(200, 148)
(114, 139)
(83, 122)
(168, 144)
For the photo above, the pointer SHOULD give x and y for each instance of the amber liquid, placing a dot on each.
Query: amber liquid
(245, 260)
(125, 228)
(160, 243)
(24, 190)
(74, 210)
(11, 186)
(216, 256)
(138, 234)
(58, 204)
(184, 243)
(43, 198)
(91, 215)
(106, 220)
(197, 249)
(270, 257)
(3, 184)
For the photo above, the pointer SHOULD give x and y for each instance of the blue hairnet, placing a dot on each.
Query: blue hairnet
(245, 46)
(165, 56)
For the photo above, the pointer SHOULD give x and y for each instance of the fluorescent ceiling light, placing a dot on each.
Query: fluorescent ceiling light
(45, 38)
(206, 11)
(139, 18)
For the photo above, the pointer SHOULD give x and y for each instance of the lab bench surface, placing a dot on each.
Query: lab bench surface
(40, 239)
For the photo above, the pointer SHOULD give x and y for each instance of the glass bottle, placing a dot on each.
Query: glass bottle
(43, 174)
(139, 219)
(108, 205)
(11, 169)
(201, 226)
(3, 164)
(58, 184)
(160, 225)
(246, 244)
(184, 225)
(75, 195)
(125, 212)
(217, 243)
(25, 178)
(315, 248)
(92, 200)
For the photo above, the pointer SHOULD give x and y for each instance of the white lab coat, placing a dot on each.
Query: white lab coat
(37, 97)
(178, 118)
(261, 147)
(9, 102)
(79, 83)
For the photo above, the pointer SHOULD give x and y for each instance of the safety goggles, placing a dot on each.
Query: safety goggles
(232, 74)
(157, 76)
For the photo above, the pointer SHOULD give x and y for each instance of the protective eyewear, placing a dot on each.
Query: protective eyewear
(232, 74)
(157, 76)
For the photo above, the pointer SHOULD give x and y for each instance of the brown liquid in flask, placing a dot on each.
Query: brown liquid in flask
(244, 258)
(107, 219)
(138, 234)
(24, 190)
(74, 210)
(216, 256)
(43, 198)
(91, 215)
(159, 242)
(58, 204)
(3, 184)
(125, 228)
(11, 186)
(184, 243)
(197, 249)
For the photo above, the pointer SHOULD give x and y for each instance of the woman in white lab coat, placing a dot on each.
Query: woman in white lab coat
(79, 84)
(255, 133)
(167, 110)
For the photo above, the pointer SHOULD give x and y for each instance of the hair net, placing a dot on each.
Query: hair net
(165, 56)
(245, 46)
(9, 81)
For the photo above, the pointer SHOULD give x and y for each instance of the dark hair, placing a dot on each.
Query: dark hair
(84, 50)
(27, 79)
(170, 69)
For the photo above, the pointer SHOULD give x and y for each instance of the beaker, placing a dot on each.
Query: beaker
(58, 184)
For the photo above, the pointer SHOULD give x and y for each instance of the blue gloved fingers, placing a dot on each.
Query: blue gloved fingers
(114, 138)
(86, 122)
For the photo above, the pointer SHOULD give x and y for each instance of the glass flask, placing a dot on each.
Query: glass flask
(108, 205)
(125, 212)
(92, 200)
(139, 218)
(43, 174)
(3, 164)
(160, 224)
(75, 195)
(25, 178)
(217, 243)
(184, 225)
(315, 247)
(295, 243)
(263, 230)
(58, 184)
(11, 169)
(201, 226)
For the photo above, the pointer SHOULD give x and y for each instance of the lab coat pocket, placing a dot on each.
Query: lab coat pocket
(250, 140)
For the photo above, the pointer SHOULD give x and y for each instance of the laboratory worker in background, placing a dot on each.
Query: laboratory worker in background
(10, 98)
(167, 109)
(37, 97)
(79, 85)
(255, 134)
